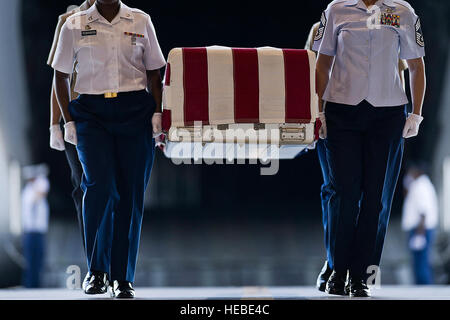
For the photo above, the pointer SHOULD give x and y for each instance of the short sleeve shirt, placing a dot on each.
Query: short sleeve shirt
(62, 19)
(367, 45)
(35, 210)
(111, 56)
(310, 41)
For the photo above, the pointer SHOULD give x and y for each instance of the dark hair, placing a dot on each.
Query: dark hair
(421, 167)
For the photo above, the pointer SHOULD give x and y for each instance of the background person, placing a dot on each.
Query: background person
(325, 191)
(56, 135)
(35, 216)
(420, 220)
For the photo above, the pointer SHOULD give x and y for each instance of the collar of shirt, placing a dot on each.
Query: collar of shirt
(361, 5)
(124, 13)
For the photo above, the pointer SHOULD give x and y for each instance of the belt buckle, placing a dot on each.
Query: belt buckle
(110, 95)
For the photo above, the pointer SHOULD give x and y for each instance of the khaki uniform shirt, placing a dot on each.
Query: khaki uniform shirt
(61, 20)
(111, 56)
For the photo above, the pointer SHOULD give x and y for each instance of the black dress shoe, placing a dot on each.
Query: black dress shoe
(86, 281)
(359, 289)
(337, 284)
(323, 277)
(98, 283)
(347, 288)
(122, 290)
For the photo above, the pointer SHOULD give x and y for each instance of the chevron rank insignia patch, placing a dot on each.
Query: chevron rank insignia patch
(419, 34)
(321, 30)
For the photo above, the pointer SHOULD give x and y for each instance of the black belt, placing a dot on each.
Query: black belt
(113, 95)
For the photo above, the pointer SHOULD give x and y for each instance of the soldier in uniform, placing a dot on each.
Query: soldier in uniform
(325, 193)
(112, 123)
(360, 43)
(56, 135)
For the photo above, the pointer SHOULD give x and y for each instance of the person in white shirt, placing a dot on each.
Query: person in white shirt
(420, 219)
(326, 192)
(112, 123)
(35, 216)
(362, 106)
(56, 134)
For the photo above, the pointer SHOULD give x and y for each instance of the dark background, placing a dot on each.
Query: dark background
(224, 190)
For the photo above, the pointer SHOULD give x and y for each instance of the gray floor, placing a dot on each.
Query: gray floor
(234, 293)
(216, 253)
(225, 253)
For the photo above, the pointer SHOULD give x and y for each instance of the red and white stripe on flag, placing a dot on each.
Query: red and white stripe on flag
(220, 85)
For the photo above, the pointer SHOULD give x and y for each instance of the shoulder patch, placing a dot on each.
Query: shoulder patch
(419, 34)
(321, 29)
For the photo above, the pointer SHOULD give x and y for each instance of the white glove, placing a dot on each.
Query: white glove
(157, 124)
(418, 242)
(56, 138)
(412, 126)
(70, 133)
(323, 128)
(312, 146)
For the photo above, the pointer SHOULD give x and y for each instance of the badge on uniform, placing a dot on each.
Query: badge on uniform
(389, 19)
(133, 37)
(321, 30)
(419, 34)
(88, 32)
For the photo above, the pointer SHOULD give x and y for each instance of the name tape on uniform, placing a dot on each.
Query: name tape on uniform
(89, 33)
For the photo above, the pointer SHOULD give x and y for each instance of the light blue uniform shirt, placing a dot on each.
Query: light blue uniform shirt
(367, 53)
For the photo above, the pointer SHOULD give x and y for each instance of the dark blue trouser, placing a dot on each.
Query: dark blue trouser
(33, 251)
(365, 148)
(423, 272)
(76, 176)
(325, 194)
(392, 171)
(116, 150)
(395, 160)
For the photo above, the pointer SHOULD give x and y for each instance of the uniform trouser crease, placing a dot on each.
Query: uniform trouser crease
(116, 149)
(365, 148)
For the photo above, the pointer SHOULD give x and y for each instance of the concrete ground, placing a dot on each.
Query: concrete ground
(234, 293)
(224, 253)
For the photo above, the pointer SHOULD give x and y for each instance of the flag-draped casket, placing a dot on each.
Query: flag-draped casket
(235, 96)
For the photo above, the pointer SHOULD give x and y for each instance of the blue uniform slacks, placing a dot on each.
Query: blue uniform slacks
(364, 151)
(423, 272)
(116, 149)
(33, 251)
(325, 194)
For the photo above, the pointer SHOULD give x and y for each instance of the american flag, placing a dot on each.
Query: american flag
(221, 85)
